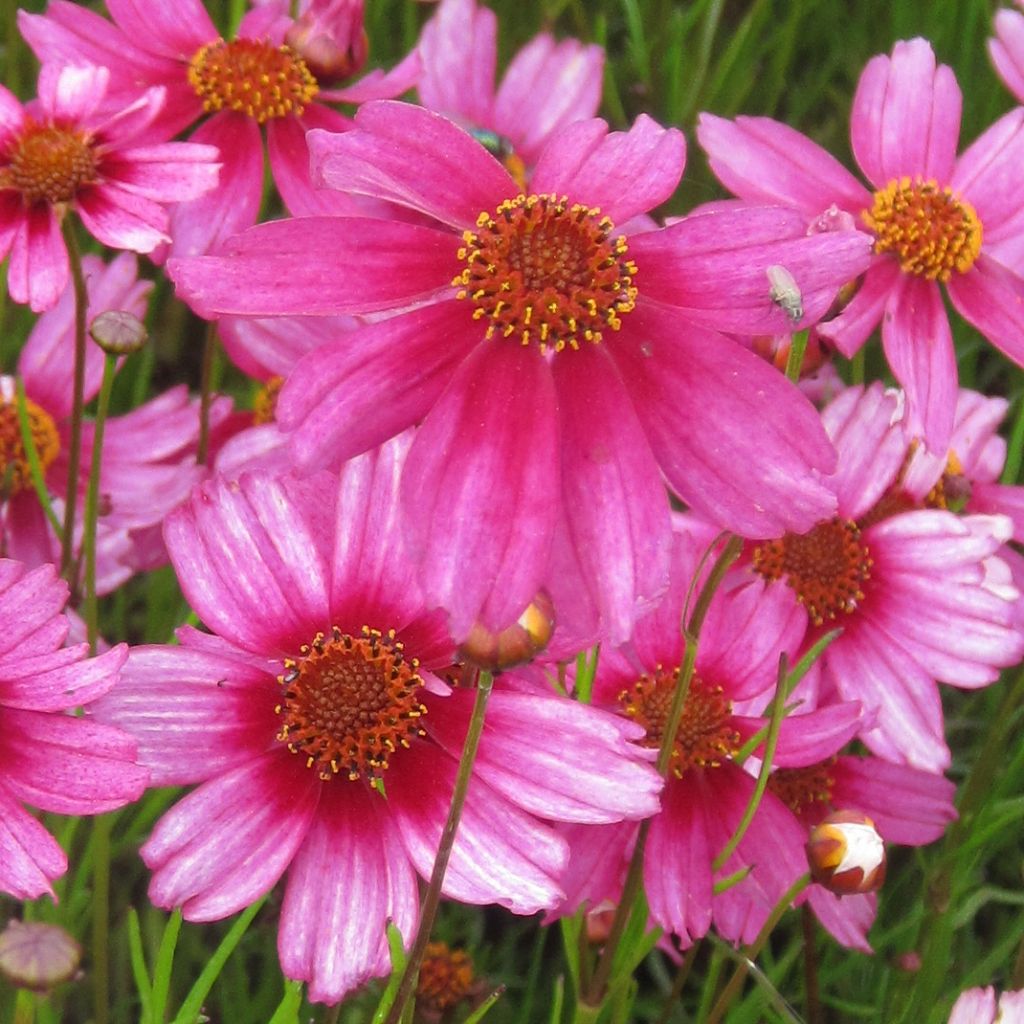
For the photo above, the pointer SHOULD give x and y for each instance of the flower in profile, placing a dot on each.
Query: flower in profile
(917, 591)
(933, 218)
(544, 351)
(324, 738)
(1007, 50)
(264, 78)
(978, 1006)
(50, 759)
(65, 152)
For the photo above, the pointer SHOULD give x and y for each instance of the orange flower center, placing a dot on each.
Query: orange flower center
(547, 273)
(798, 788)
(705, 736)
(930, 230)
(49, 164)
(252, 78)
(826, 567)
(14, 467)
(264, 405)
(350, 702)
(445, 979)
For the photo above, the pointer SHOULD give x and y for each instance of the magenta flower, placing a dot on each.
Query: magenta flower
(917, 591)
(49, 759)
(266, 76)
(61, 152)
(933, 217)
(592, 381)
(978, 1006)
(323, 688)
(546, 86)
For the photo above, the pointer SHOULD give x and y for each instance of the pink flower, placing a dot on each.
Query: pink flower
(978, 1006)
(61, 152)
(933, 218)
(328, 615)
(916, 590)
(148, 464)
(552, 403)
(266, 76)
(49, 759)
(546, 86)
(1007, 50)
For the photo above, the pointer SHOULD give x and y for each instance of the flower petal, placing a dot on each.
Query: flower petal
(992, 299)
(30, 858)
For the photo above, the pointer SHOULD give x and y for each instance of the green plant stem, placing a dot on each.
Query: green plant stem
(35, 467)
(101, 918)
(206, 391)
(812, 994)
(92, 496)
(795, 359)
(677, 984)
(432, 897)
(78, 395)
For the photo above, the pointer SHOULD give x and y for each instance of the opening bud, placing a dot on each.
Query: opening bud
(37, 956)
(118, 332)
(519, 643)
(846, 854)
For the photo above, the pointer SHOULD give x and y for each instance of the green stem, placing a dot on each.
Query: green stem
(795, 359)
(35, 467)
(78, 395)
(432, 897)
(92, 496)
(101, 918)
(206, 391)
(812, 994)
(677, 984)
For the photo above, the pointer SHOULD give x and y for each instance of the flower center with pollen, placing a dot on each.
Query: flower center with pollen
(826, 567)
(705, 737)
(350, 702)
(264, 405)
(543, 272)
(930, 230)
(15, 475)
(252, 78)
(805, 788)
(49, 164)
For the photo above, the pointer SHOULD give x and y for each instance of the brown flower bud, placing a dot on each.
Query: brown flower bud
(37, 956)
(520, 642)
(846, 854)
(118, 332)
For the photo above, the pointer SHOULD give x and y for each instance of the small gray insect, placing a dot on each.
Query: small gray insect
(783, 291)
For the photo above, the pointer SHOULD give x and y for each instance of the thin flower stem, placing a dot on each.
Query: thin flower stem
(92, 496)
(812, 993)
(206, 391)
(635, 873)
(101, 919)
(78, 395)
(795, 359)
(750, 953)
(677, 984)
(432, 897)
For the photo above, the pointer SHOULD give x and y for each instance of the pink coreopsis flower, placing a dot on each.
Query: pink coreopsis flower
(323, 689)
(933, 217)
(50, 759)
(276, 74)
(1007, 50)
(148, 465)
(917, 592)
(63, 152)
(545, 352)
(547, 84)
(978, 1006)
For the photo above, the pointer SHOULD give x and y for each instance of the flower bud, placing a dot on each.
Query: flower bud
(846, 854)
(37, 956)
(331, 39)
(118, 332)
(520, 642)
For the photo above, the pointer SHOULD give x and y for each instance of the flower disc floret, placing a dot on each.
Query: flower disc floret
(705, 737)
(445, 979)
(930, 229)
(15, 475)
(48, 163)
(253, 78)
(545, 272)
(827, 567)
(264, 406)
(804, 788)
(350, 702)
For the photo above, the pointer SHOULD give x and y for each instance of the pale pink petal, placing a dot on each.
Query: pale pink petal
(846, 918)
(30, 858)
(38, 269)
(122, 220)
(766, 161)
(230, 840)
(456, 178)
(623, 174)
(170, 171)
(59, 680)
(992, 299)
(262, 448)
(71, 94)
(269, 347)
(175, 30)
(348, 880)
(851, 328)
(29, 600)
(1007, 50)
(487, 562)
(378, 84)
(975, 1006)
(615, 501)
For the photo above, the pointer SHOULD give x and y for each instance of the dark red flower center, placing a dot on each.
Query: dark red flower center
(930, 230)
(445, 978)
(49, 164)
(253, 78)
(350, 702)
(546, 273)
(827, 567)
(15, 475)
(264, 405)
(705, 737)
(800, 788)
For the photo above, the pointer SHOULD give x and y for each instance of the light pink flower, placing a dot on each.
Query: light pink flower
(49, 759)
(63, 152)
(917, 591)
(1007, 50)
(311, 598)
(556, 404)
(978, 1006)
(934, 217)
(260, 78)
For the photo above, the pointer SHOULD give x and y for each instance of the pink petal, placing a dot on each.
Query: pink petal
(1007, 50)
(473, 453)
(992, 299)
(975, 1006)
(71, 94)
(172, 31)
(598, 855)
(122, 220)
(170, 171)
(846, 918)
(988, 175)
(264, 348)
(59, 680)
(812, 736)
(621, 173)
(38, 269)
(851, 328)
(30, 858)
(29, 600)
(378, 84)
